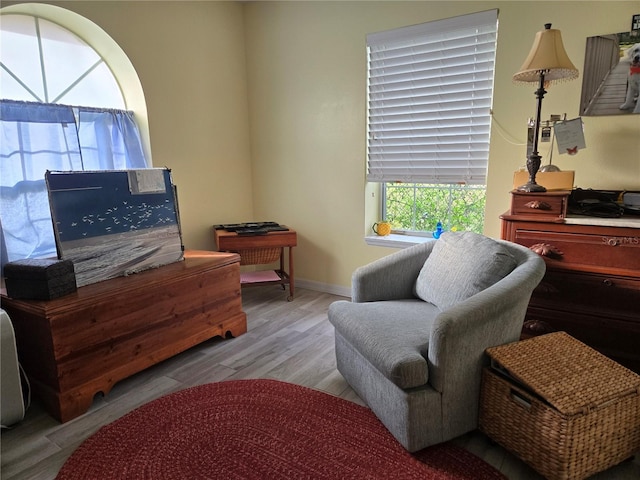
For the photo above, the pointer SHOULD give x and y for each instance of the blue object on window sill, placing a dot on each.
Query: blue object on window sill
(438, 231)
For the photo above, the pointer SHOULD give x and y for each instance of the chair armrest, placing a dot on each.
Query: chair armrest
(494, 316)
(392, 277)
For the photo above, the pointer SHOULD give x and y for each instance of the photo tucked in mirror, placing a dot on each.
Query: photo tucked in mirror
(611, 79)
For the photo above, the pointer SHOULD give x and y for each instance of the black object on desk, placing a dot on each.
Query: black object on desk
(252, 228)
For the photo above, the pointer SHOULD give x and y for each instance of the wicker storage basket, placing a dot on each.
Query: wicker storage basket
(259, 256)
(565, 409)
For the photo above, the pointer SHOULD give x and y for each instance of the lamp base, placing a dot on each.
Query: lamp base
(533, 164)
(531, 187)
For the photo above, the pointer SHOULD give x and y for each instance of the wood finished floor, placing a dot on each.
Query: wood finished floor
(289, 341)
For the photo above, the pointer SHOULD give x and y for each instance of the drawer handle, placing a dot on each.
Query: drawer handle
(546, 250)
(608, 282)
(538, 205)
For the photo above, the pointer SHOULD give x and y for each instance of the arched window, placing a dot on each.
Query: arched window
(64, 106)
(44, 62)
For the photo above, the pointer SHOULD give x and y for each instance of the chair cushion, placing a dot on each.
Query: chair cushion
(461, 265)
(392, 335)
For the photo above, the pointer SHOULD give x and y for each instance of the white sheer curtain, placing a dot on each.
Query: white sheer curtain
(37, 137)
(109, 140)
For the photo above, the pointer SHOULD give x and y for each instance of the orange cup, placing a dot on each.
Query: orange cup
(382, 228)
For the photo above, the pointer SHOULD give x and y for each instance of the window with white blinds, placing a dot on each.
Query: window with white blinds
(430, 88)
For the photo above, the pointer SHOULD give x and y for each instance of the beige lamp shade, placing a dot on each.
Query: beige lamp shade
(547, 55)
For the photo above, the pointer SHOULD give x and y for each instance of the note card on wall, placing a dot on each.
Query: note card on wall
(570, 136)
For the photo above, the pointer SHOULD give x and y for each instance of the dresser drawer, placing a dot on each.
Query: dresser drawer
(579, 294)
(615, 338)
(599, 310)
(547, 205)
(606, 250)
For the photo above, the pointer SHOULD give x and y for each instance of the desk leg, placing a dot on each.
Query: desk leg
(291, 286)
(282, 260)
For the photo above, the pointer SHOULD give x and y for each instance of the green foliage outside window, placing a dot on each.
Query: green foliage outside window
(416, 207)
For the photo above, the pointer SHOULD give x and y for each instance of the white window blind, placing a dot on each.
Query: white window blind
(429, 98)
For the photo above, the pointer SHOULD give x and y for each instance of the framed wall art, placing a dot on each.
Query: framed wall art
(114, 223)
(611, 78)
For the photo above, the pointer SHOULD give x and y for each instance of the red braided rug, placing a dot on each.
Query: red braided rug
(259, 429)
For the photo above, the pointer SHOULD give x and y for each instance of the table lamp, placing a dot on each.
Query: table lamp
(546, 64)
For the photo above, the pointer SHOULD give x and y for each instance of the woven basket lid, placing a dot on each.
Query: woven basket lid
(565, 372)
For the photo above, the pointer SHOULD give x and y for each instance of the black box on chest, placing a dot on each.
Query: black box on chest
(39, 279)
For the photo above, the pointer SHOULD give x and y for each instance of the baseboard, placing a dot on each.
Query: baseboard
(324, 287)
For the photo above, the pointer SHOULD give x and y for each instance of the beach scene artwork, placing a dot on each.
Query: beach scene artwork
(114, 223)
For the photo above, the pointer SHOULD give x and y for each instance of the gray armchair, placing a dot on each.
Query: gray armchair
(411, 342)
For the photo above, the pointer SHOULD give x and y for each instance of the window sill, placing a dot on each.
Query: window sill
(396, 240)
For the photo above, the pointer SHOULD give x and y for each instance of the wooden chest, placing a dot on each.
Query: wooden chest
(592, 286)
(83, 343)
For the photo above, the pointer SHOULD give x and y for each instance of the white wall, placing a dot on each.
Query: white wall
(307, 73)
(190, 58)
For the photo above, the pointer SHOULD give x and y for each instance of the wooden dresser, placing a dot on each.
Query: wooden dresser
(591, 288)
(80, 344)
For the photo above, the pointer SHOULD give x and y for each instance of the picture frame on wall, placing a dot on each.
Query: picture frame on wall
(611, 78)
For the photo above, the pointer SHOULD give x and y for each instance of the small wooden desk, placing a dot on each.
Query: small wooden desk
(258, 250)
